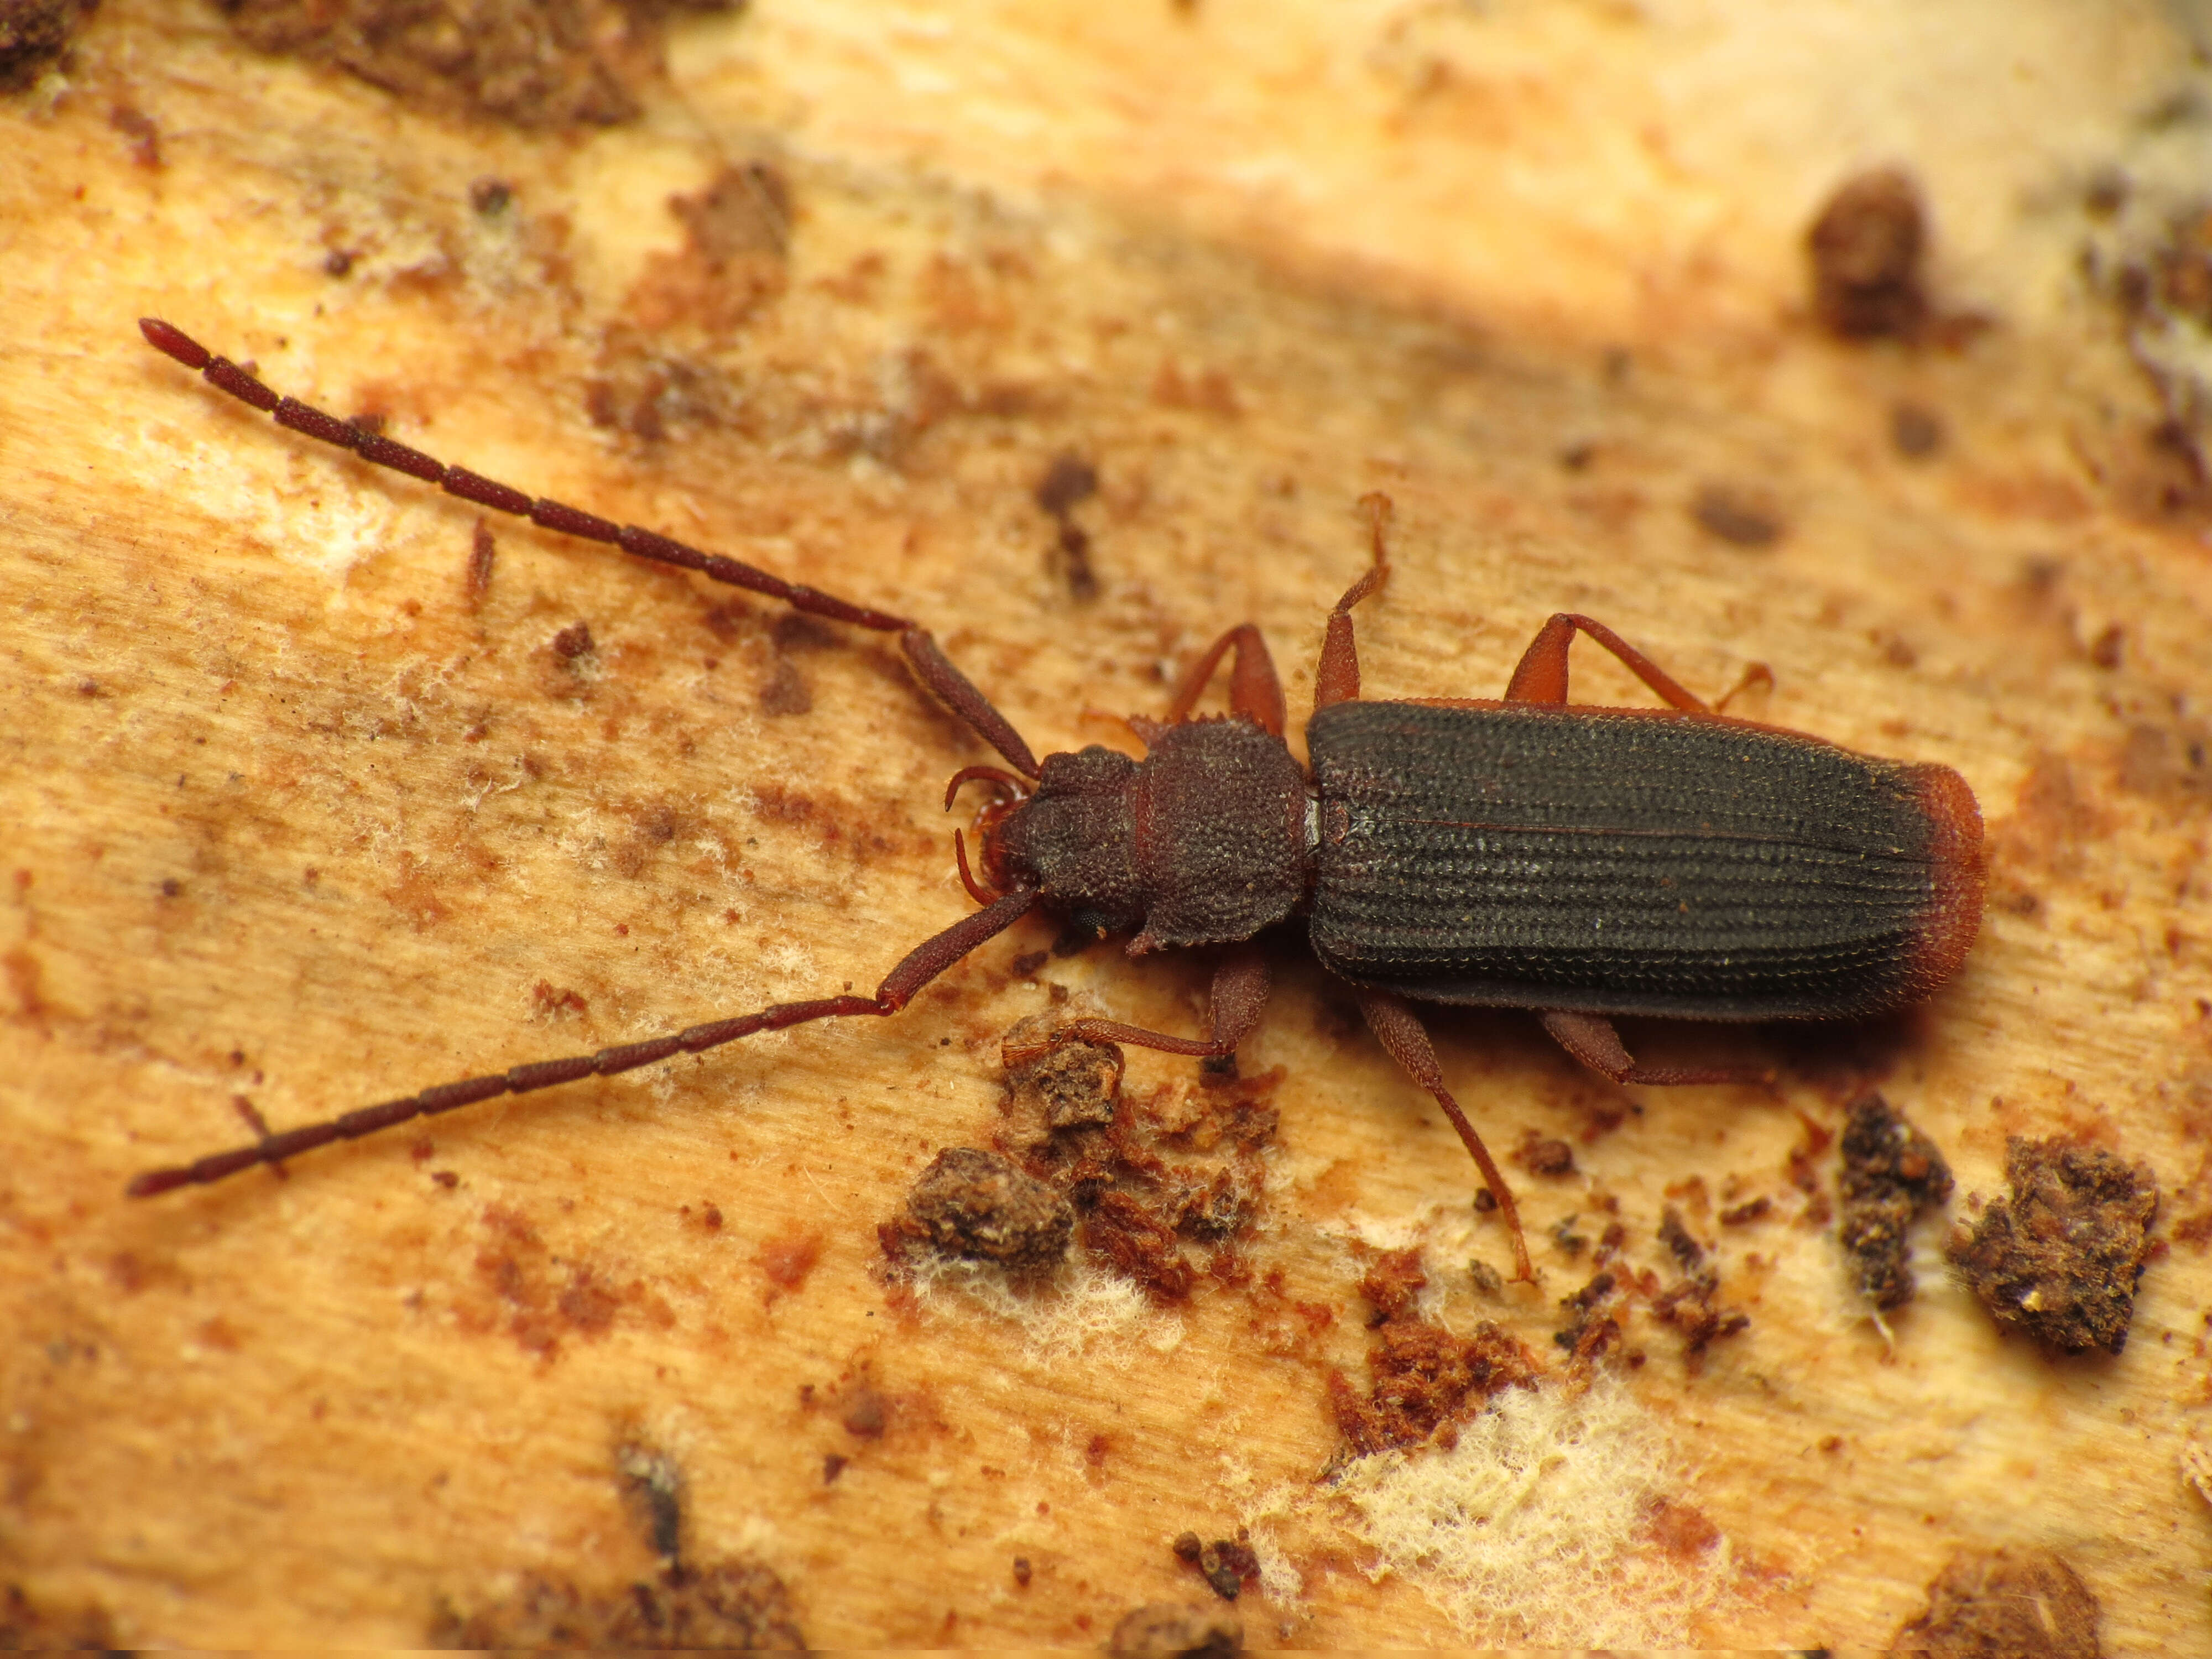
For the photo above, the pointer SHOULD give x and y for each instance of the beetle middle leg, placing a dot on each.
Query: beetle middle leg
(1238, 998)
(1400, 1030)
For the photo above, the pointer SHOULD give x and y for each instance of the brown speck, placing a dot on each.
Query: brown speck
(866, 1415)
(1891, 1172)
(1743, 1214)
(1068, 480)
(1542, 1156)
(1022, 1570)
(2062, 1257)
(482, 551)
(710, 1217)
(784, 692)
(573, 641)
(1168, 1631)
(1739, 516)
(1866, 249)
(490, 197)
(1916, 431)
(787, 1259)
(446, 1178)
(1682, 1532)
(138, 127)
(2021, 1603)
(2106, 649)
(833, 1465)
(338, 261)
(172, 887)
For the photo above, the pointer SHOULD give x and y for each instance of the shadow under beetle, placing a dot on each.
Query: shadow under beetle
(1522, 852)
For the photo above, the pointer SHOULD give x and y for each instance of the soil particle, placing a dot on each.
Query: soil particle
(980, 1207)
(1170, 1631)
(730, 1606)
(1541, 1157)
(1891, 1172)
(1866, 249)
(1227, 1564)
(2062, 1258)
(2021, 1604)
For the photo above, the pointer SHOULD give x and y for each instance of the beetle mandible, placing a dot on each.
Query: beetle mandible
(1518, 853)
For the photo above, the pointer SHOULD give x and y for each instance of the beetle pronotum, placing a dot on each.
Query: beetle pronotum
(1522, 852)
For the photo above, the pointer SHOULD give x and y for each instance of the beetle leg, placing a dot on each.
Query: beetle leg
(920, 965)
(923, 654)
(1400, 1030)
(1336, 677)
(1543, 674)
(1254, 688)
(1238, 998)
(1591, 1039)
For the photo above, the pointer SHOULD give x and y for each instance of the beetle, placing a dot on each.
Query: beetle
(1523, 851)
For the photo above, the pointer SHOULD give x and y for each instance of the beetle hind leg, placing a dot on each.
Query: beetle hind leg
(1591, 1039)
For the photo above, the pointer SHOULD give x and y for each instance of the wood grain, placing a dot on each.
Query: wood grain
(301, 814)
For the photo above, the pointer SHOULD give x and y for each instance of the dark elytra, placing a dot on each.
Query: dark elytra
(1522, 852)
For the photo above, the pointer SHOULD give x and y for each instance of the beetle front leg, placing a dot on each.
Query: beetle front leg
(1592, 1039)
(1400, 1030)
(1238, 998)
(1255, 688)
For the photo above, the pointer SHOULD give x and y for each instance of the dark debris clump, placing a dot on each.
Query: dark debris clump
(1866, 249)
(33, 35)
(1891, 1173)
(979, 1207)
(1227, 1564)
(2061, 1258)
(1161, 1185)
(1422, 1379)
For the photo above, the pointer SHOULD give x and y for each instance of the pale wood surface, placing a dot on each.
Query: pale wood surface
(290, 818)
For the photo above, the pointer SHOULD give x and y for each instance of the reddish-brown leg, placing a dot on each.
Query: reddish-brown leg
(1402, 1032)
(1592, 1039)
(1542, 675)
(1336, 677)
(1254, 688)
(1239, 997)
(922, 964)
(924, 657)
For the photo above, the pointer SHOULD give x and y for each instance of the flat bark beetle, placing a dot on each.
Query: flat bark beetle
(1520, 852)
